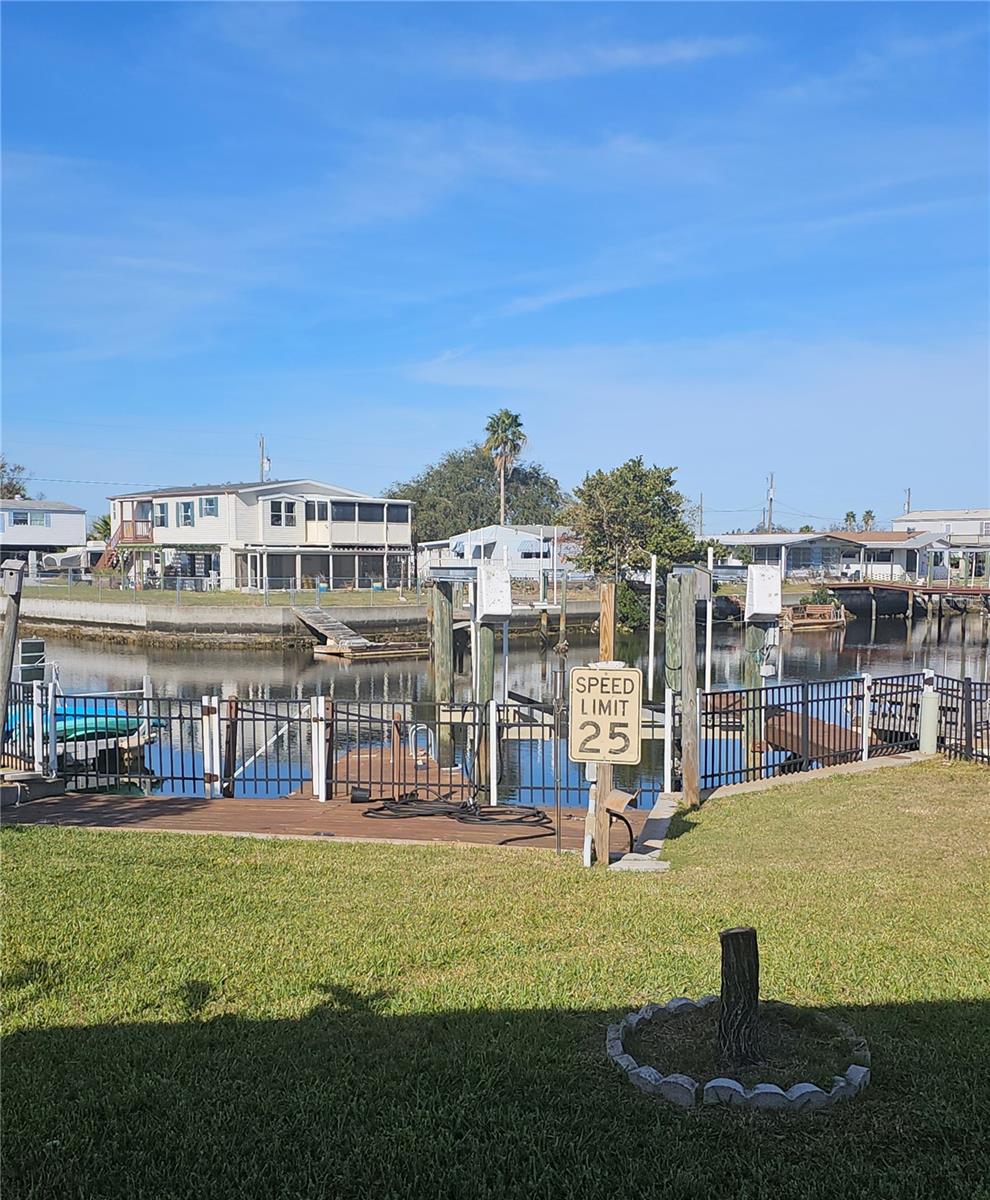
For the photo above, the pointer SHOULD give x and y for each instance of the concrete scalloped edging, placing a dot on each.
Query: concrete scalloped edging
(686, 1092)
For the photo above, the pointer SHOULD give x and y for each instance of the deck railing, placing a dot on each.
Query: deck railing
(497, 753)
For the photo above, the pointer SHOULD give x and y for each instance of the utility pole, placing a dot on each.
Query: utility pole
(701, 515)
(770, 504)
(907, 500)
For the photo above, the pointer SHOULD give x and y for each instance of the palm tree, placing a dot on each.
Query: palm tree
(504, 443)
(850, 521)
(869, 519)
(100, 530)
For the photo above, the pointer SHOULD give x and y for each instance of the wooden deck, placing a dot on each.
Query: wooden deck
(297, 817)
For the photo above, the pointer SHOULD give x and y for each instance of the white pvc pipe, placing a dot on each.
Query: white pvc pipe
(708, 622)
(653, 625)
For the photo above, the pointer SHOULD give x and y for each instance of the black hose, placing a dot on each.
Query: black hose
(468, 812)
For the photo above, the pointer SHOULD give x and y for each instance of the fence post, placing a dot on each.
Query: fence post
(493, 752)
(318, 746)
(52, 737)
(229, 771)
(805, 727)
(866, 724)
(967, 699)
(38, 726)
(329, 762)
(668, 740)
(212, 767)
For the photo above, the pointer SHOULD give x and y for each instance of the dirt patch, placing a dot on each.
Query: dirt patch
(796, 1046)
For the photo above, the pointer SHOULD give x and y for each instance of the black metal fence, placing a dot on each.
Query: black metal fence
(389, 750)
(755, 733)
(964, 718)
(513, 753)
(22, 720)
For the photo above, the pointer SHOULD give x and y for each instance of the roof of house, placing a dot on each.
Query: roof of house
(209, 489)
(779, 539)
(945, 514)
(39, 506)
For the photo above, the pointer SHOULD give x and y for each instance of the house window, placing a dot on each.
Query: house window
(209, 506)
(316, 510)
(160, 516)
(985, 529)
(340, 511)
(371, 512)
(18, 518)
(39, 518)
(398, 514)
(185, 514)
(283, 512)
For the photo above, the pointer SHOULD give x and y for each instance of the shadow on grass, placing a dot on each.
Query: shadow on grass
(353, 1100)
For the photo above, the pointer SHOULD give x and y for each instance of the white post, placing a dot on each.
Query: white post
(709, 605)
(493, 752)
(555, 564)
(867, 718)
(653, 625)
(668, 740)
(212, 766)
(52, 739)
(505, 662)
(318, 743)
(38, 731)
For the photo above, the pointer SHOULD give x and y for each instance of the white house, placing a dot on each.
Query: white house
(966, 531)
(282, 533)
(878, 554)
(32, 528)
(526, 549)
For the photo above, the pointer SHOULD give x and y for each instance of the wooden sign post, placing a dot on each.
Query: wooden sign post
(605, 717)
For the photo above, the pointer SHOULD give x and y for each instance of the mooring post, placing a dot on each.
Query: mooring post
(738, 1022)
(443, 666)
(486, 693)
(691, 784)
(13, 580)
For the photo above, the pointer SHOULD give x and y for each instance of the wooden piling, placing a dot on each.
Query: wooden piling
(738, 1022)
(486, 692)
(689, 690)
(443, 665)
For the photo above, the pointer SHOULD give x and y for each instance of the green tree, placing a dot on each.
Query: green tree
(869, 519)
(101, 529)
(461, 492)
(849, 521)
(504, 443)
(806, 529)
(623, 516)
(13, 480)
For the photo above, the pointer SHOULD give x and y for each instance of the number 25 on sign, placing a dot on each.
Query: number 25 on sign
(605, 715)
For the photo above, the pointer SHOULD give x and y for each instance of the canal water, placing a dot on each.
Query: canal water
(892, 648)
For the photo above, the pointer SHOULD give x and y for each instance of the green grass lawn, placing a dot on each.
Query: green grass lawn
(231, 1018)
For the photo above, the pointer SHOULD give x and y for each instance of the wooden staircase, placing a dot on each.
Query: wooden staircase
(336, 632)
(342, 642)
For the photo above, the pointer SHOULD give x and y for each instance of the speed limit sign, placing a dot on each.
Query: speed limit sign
(605, 722)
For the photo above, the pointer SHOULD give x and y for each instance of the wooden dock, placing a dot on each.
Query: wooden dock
(299, 817)
(341, 641)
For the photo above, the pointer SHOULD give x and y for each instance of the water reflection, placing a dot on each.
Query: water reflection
(892, 647)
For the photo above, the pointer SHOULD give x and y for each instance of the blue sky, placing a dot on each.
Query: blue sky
(732, 238)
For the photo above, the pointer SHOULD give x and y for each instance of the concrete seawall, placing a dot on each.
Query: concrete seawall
(234, 625)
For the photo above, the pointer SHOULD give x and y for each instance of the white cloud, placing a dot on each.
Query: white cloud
(510, 62)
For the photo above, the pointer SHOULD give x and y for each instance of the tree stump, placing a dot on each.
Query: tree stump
(738, 1023)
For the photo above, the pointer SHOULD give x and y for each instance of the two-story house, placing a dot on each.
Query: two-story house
(30, 529)
(278, 534)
